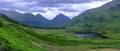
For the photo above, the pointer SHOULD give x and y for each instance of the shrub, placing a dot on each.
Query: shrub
(1, 23)
(4, 45)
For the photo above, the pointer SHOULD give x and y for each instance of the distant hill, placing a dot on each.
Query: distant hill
(60, 19)
(26, 18)
(36, 20)
(104, 17)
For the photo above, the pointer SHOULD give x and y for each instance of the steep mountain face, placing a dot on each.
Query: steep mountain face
(60, 19)
(36, 20)
(104, 17)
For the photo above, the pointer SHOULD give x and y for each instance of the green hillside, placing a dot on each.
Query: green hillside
(13, 38)
(105, 17)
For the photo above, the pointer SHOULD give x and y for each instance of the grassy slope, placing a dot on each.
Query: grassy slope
(105, 17)
(15, 38)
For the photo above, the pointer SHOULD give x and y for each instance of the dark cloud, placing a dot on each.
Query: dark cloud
(35, 10)
(68, 10)
(49, 5)
(51, 9)
(57, 3)
(62, 1)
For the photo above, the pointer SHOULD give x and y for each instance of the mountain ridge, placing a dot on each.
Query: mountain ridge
(60, 19)
(35, 20)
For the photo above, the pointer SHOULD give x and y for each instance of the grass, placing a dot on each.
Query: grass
(14, 38)
(18, 40)
(40, 39)
(72, 42)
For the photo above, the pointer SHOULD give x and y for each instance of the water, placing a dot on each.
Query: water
(85, 35)
(90, 35)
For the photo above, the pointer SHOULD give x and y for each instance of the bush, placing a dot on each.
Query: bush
(1, 23)
(4, 45)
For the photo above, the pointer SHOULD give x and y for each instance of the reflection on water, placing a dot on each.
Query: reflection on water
(90, 35)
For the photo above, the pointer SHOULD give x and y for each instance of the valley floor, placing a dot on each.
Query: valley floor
(59, 40)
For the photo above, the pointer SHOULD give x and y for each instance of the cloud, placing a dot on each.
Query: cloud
(50, 8)
(63, 1)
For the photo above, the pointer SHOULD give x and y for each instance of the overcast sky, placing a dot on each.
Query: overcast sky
(51, 8)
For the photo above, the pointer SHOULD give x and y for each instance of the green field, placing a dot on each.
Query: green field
(60, 40)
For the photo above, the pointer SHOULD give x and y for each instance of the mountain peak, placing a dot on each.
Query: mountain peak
(60, 19)
(61, 16)
(28, 14)
(39, 15)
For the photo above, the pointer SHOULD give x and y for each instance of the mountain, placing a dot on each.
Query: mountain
(12, 14)
(60, 19)
(27, 18)
(14, 37)
(36, 20)
(104, 17)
